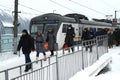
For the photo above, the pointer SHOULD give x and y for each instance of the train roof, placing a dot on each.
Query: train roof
(77, 16)
(53, 16)
(60, 18)
(95, 23)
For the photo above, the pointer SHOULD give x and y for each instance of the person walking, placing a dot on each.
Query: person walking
(87, 35)
(110, 38)
(27, 44)
(51, 41)
(40, 45)
(69, 39)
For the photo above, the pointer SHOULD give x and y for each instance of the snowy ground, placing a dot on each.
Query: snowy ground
(113, 74)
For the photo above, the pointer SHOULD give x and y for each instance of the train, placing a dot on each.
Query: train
(59, 24)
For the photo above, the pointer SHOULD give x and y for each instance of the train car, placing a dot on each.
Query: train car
(60, 23)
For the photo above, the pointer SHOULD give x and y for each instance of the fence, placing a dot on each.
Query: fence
(63, 65)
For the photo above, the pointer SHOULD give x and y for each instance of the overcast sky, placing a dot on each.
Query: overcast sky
(104, 7)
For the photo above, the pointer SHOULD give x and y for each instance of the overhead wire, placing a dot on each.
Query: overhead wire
(11, 10)
(62, 6)
(65, 7)
(87, 7)
(31, 8)
(107, 4)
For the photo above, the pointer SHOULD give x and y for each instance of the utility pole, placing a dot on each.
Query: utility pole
(15, 25)
(115, 19)
(115, 14)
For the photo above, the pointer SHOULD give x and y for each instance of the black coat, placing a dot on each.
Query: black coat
(51, 40)
(26, 43)
(69, 39)
(86, 35)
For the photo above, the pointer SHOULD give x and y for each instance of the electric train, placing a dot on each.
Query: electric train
(60, 23)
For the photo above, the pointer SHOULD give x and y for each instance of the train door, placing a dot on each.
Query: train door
(80, 30)
(62, 34)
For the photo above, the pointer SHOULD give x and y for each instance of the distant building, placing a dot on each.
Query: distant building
(6, 22)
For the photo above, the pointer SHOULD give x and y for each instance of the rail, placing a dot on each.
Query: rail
(63, 65)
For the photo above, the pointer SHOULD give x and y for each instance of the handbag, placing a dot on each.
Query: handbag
(65, 46)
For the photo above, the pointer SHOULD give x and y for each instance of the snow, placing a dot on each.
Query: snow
(113, 74)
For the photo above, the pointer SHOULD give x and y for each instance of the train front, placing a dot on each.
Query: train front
(43, 23)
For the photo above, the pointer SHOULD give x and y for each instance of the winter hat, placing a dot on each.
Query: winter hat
(25, 31)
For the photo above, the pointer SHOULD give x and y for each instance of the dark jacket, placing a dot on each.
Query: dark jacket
(51, 40)
(26, 43)
(86, 35)
(69, 36)
(40, 44)
(110, 38)
(91, 35)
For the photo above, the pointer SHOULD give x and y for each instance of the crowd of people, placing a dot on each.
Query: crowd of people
(27, 42)
(113, 35)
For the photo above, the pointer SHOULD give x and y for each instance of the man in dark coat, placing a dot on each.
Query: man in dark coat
(117, 35)
(70, 36)
(87, 35)
(51, 40)
(27, 44)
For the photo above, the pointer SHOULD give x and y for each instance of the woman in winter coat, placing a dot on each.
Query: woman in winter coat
(51, 41)
(40, 45)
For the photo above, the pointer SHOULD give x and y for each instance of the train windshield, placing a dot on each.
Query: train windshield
(43, 28)
(37, 27)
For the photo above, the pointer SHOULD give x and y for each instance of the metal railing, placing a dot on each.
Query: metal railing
(63, 65)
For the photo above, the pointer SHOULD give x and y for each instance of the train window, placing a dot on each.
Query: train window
(64, 30)
(38, 27)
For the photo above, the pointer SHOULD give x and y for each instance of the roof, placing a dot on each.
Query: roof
(53, 17)
(6, 20)
(57, 17)
(95, 23)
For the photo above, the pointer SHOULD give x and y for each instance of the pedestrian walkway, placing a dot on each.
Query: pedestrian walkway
(8, 61)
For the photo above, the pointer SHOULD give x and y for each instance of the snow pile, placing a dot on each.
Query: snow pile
(113, 74)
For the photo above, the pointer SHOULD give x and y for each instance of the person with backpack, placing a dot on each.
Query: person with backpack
(40, 45)
(27, 44)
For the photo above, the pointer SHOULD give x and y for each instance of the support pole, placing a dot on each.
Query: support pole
(115, 14)
(15, 26)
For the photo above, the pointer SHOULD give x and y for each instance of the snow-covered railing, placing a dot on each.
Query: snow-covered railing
(63, 65)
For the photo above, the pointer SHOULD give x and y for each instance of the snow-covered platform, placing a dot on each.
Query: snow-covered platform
(91, 72)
